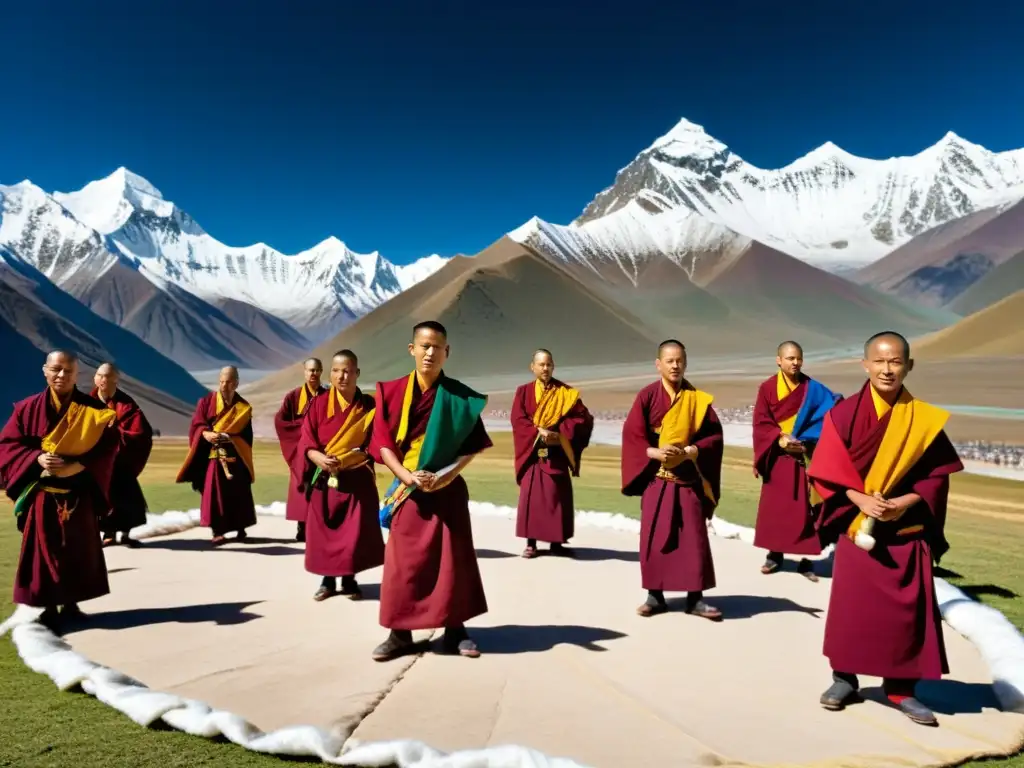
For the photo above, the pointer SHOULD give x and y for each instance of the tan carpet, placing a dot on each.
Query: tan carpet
(568, 668)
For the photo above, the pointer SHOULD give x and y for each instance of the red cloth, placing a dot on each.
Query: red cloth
(135, 443)
(343, 535)
(227, 505)
(60, 563)
(785, 520)
(545, 489)
(288, 425)
(431, 575)
(675, 553)
(883, 617)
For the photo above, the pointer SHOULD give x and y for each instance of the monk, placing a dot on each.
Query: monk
(426, 430)
(343, 534)
(882, 466)
(135, 442)
(672, 447)
(551, 428)
(288, 424)
(57, 455)
(219, 461)
(788, 414)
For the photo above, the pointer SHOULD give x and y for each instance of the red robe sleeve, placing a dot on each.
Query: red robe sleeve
(289, 429)
(524, 433)
(382, 435)
(710, 444)
(136, 439)
(301, 466)
(19, 452)
(766, 432)
(637, 469)
(577, 427)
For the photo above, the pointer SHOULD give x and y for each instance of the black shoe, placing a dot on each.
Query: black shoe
(843, 691)
(399, 643)
(918, 712)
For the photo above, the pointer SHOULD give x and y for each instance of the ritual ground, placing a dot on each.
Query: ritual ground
(552, 622)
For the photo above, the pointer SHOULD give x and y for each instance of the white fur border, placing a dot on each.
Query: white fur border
(1000, 644)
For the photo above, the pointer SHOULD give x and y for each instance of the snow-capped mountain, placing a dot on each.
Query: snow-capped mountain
(140, 261)
(689, 191)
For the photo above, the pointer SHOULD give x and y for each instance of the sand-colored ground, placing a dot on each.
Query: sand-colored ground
(568, 668)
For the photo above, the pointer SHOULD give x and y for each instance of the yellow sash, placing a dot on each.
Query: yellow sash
(352, 433)
(784, 389)
(231, 423)
(553, 403)
(684, 418)
(304, 397)
(413, 454)
(79, 429)
(913, 426)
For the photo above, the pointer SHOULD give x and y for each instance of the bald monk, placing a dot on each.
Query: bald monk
(883, 465)
(426, 430)
(551, 428)
(672, 458)
(788, 414)
(219, 461)
(343, 536)
(135, 442)
(57, 455)
(288, 424)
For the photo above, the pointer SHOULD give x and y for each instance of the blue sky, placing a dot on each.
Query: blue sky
(421, 127)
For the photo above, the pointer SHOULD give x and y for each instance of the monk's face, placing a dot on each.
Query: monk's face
(312, 373)
(790, 361)
(105, 381)
(543, 367)
(430, 350)
(344, 374)
(228, 384)
(671, 364)
(61, 374)
(887, 365)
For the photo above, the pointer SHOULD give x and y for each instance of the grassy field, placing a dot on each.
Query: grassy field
(41, 727)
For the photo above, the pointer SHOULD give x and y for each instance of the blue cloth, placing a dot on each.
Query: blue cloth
(818, 400)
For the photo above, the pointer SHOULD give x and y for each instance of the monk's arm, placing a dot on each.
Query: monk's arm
(391, 462)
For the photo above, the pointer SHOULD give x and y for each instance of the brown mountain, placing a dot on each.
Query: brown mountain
(995, 331)
(1004, 280)
(941, 264)
(36, 317)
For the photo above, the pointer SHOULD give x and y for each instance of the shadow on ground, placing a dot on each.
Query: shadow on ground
(224, 614)
(748, 606)
(521, 638)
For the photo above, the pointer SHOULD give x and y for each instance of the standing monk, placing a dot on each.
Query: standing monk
(672, 457)
(56, 458)
(219, 461)
(427, 428)
(882, 466)
(343, 534)
(788, 414)
(288, 423)
(127, 503)
(551, 428)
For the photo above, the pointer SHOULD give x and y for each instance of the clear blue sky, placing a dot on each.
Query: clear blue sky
(421, 127)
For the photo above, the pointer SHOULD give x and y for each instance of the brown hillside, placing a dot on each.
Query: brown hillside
(1004, 280)
(498, 308)
(942, 263)
(996, 331)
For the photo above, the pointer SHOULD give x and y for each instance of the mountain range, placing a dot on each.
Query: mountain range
(688, 240)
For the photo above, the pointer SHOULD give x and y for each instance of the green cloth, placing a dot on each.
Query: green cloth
(25, 498)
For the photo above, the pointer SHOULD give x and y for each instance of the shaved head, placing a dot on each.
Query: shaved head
(887, 336)
(312, 370)
(61, 371)
(671, 344)
(108, 369)
(543, 365)
(56, 354)
(887, 362)
(228, 383)
(789, 345)
(229, 370)
(106, 379)
(790, 359)
(671, 362)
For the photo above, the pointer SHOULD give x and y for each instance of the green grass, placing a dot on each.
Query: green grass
(39, 726)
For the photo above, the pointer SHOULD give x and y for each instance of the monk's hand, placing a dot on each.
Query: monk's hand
(424, 480)
(551, 438)
(50, 462)
(211, 437)
(875, 506)
(790, 444)
(690, 451)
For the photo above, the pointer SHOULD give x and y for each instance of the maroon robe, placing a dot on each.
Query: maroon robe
(226, 505)
(785, 520)
(60, 563)
(288, 424)
(546, 508)
(675, 553)
(127, 503)
(343, 535)
(883, 616)
(431, 575)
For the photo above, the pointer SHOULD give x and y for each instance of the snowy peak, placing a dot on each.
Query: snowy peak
(687, 139)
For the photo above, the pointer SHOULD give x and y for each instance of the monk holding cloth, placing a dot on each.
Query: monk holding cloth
(551, 428)
(219, 461)
(57, 455)
(343, 534)
(882, 466)
(427, 428)
(788, 415)
(135, 442)
(288, 425)
(672, 448)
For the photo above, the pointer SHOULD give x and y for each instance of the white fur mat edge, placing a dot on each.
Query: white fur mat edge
(1000, 644)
